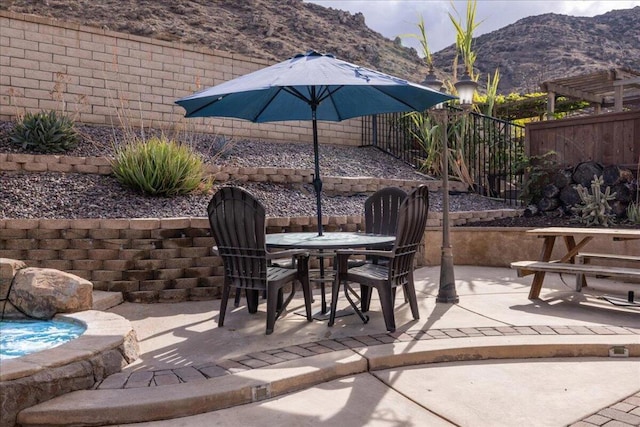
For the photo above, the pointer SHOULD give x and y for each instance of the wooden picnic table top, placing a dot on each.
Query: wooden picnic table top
(619, 233)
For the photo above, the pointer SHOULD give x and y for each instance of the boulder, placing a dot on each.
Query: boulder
(42, 292)
(8, 269)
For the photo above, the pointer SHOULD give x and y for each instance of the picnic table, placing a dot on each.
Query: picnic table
(574, 250)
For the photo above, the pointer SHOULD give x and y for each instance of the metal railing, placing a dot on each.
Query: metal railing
(488, 152)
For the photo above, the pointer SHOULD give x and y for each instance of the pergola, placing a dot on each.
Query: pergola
(615, 87)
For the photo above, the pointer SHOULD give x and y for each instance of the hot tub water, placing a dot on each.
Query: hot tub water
(21, 337)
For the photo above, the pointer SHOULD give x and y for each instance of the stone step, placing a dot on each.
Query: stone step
(103, 300)
(135, 405)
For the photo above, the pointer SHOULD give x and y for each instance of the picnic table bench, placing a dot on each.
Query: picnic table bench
(567, 263)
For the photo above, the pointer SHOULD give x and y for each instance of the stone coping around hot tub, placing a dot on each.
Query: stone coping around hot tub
(105, 333)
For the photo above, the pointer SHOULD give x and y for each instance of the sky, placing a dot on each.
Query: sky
(393, 18)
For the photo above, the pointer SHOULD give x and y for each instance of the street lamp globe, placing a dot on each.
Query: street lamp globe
(432, 82)
(466, 87)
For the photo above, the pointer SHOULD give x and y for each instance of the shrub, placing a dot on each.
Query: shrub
(45, 132)
(159, 167)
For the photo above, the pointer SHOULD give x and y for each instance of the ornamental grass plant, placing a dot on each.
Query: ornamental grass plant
(159, 166)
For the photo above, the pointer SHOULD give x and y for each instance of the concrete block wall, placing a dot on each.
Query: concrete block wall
(104, 75)
(152, 259)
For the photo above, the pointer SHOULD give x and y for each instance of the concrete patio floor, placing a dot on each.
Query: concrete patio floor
(502, 360)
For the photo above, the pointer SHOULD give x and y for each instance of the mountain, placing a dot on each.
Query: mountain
(527, 52)
(549, 46)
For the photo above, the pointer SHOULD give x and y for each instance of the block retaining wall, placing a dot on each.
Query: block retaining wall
(153, 259)
(14, 162)
(167, 259)
(103, 76)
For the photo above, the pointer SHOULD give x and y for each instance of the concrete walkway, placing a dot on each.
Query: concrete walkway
(501, 360)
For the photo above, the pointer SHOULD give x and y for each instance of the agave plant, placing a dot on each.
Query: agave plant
(45, 132)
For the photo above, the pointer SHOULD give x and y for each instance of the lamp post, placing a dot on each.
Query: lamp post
(447, 288)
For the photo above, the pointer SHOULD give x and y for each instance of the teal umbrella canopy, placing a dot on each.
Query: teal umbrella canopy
(289, 90)
(311, 86)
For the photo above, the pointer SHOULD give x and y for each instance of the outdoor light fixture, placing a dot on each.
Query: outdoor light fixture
(465, 87)
(432, 82)
(447, 288)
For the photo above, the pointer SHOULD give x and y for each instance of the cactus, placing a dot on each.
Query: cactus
(595, 208)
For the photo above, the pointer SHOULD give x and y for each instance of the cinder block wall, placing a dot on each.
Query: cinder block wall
(155, 259)
(103, 75)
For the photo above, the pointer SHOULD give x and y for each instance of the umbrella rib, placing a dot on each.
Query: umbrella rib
(202, 107)
(266, 105)
(395, 98)
(329, 95)
(324, 94)
(295, 92)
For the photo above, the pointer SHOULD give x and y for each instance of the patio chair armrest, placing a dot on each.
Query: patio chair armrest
(370, 252)
(298, 253)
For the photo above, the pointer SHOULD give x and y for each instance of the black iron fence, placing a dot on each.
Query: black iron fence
(486, 153)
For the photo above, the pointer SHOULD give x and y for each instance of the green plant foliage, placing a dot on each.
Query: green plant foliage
(426, 133)
(595, 208)
(633, 213)
(538, 171)
(159, 167)
(45, 132)
(633, 210)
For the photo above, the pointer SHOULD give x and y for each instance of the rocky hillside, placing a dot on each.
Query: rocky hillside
(544, 47)
(527, 52)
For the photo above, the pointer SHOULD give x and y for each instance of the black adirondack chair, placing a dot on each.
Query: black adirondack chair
(397, 271)
(238, 224)
(380, 217)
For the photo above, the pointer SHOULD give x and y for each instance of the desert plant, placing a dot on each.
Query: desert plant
(426, 133)
(633, 213)
(45, 132)
(538, 171)
(159, 167)
(595, 208)
(633, 210)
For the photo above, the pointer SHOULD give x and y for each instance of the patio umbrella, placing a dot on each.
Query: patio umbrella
(310, 86)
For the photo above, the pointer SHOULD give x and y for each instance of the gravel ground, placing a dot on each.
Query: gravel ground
(59, 195)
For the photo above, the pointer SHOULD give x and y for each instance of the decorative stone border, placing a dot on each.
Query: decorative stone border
(139, 379)
(285, 370)
(19, 162)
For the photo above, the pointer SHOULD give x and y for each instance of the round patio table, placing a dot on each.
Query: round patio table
(331, 240)
(325, 245)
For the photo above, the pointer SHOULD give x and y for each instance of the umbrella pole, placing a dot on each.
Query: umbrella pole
(317, 182)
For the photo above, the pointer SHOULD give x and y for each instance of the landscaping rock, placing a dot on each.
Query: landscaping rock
(42, 292)
(8, 269)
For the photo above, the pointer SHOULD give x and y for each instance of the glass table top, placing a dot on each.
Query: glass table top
(328, 240)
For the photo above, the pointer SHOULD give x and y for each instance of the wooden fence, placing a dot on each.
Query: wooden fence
(610, 139)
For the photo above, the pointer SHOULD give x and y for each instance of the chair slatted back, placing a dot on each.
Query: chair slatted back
(381, 211)
(238, 224)
(412, 220)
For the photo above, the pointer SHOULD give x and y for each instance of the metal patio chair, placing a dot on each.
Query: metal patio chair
(238, 225)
